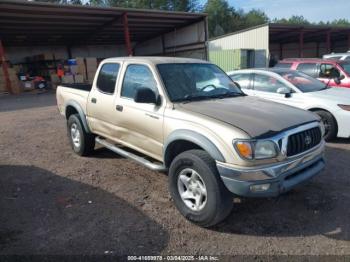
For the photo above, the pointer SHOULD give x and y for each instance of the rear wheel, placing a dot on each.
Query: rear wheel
(82, 142)
(330, 124)
(197, 189)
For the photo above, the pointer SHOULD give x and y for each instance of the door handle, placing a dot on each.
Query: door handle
(93, 100)
(119, 108)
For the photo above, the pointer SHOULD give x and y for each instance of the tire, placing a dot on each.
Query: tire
(218, 202)
(86, 141)
(330, 124)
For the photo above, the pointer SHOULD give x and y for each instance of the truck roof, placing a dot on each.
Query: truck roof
(155, 59)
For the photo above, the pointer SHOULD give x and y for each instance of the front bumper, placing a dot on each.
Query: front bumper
(281, 177)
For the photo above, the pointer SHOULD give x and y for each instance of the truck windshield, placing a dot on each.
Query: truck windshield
(302, 81)
(196, 81)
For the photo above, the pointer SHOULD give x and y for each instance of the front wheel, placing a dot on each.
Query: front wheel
(82, 142)
(330, 124)
(197, 189)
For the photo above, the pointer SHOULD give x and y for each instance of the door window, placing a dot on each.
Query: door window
(308, 68)
(107, 78)
(136, 77)
(242, 79)
(329, 71)
(267, 83)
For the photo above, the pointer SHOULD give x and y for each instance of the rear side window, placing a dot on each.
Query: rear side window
(308, 68)
(283, 65)
(242, 79)
(107, 78)
(137, 76)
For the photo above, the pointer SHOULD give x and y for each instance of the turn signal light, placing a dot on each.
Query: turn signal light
(245, 149)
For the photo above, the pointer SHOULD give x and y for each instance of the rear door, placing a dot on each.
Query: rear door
(100, 104)
(310, 69)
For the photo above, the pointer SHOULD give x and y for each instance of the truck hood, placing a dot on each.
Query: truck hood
(341, 95)
(257, 117)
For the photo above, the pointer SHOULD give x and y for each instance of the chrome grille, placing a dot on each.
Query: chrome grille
(303, 141)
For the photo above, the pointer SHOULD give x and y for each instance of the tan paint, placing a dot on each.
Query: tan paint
(145, 127)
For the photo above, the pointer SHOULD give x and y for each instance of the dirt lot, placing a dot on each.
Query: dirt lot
(55, 202)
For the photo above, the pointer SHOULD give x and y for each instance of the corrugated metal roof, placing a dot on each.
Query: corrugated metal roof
(289, 33)
(33, 23)
(285, 33)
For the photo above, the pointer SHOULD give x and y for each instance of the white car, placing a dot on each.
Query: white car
(300, 90)
(338, 56)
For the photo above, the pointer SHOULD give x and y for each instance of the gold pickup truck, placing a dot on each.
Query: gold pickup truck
(186, 117)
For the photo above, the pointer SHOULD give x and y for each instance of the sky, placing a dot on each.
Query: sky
(312, 10)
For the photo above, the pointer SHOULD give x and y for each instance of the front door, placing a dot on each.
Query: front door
(327, 73)
(140, 125)
(266, 86)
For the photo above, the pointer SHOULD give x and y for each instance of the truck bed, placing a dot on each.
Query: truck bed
(78, 93)
(85, 87)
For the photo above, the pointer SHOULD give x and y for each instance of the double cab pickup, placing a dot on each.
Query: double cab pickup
(186, 117)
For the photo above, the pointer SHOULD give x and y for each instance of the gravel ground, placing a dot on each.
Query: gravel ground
(55, 202)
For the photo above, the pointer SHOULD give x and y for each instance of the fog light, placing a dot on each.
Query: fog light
(257, 188)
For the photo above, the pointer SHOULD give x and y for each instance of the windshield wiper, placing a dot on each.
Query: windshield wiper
(190, 98)
(227, 95)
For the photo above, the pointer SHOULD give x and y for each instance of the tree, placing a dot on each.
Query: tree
(169, 5)
(220, 17)
(340, 22)
(255, 17)
(294, 20)
(63, 2)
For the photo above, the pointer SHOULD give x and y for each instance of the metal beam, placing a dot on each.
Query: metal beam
(5, 68)
(127, 34)
(281, 51)
(328, 41)
(301, 44)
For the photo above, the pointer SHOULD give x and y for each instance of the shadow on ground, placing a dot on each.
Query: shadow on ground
(43, 213)
(103, 152)
(340, 141)
(320, 207)
(27, 101)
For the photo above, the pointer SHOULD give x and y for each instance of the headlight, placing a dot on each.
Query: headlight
(345, 107)
(265, 149)
(256, 149)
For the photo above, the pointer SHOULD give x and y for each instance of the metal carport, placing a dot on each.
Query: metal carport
(307, 40)
(142, 32)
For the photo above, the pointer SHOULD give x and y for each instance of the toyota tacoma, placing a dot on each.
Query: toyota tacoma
(186, 117)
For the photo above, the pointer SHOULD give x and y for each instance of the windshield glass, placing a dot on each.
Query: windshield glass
(302, 81)
(346, 67)
(196, 81)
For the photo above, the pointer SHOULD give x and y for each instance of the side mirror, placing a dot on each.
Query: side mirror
(284, 91)
(145, 95)
(337, 80)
